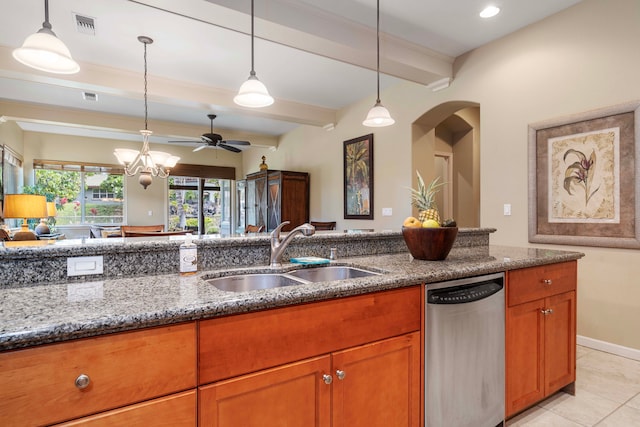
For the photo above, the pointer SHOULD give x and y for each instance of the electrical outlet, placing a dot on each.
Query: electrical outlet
(507, 209)
(84, 265)
(387, 211)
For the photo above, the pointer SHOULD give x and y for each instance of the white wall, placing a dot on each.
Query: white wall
(581, 59)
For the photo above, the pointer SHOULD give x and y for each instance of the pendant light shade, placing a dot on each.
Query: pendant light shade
(253, 93)
(46, 52)
(378, 115)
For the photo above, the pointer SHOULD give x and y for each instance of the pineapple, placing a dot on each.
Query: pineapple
(423, 199)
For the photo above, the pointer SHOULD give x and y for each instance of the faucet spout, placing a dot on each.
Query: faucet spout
(279, 245)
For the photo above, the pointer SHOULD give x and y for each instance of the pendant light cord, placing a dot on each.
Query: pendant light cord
(378, 48)
(46, 24)
(253, 71)
(146, 108)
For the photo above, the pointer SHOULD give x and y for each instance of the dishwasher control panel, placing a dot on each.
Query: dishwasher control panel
(464, 293)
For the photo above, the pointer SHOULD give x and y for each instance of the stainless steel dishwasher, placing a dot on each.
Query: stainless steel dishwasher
(464, 352)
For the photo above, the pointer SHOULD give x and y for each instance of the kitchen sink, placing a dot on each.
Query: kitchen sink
(252, 282)
(256, 281)
(330, 273)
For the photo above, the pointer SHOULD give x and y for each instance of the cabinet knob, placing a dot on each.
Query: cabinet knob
(546, 311)
(82, 381)
(547, 281)
(340, 374)
(328, 379)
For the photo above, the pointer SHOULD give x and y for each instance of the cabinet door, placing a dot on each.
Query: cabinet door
(524, 356)
(381, 384)
(177, 410)
(290, 395)
(560, 341)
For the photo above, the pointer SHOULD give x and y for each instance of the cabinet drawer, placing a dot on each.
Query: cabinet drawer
(176, 410)
(37, 385)
(250, 342)
(528, 284)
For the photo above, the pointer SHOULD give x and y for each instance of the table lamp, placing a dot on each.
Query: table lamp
(43, 227)
(24, 206)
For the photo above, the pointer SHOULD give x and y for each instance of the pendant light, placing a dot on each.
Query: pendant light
(147, 163)
(253, 93)
(44, 51)
(378, 115)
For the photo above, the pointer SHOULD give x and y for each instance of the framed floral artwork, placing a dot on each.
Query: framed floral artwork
(358, 178)
(583, 179)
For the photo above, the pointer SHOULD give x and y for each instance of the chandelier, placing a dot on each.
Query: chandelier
(147, 163)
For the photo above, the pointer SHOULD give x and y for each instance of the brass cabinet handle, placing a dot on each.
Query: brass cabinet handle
(82, 381)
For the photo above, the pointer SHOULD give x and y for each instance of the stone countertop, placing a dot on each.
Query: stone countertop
(44, 313)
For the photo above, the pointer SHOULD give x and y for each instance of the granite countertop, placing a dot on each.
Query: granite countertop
(44, 313)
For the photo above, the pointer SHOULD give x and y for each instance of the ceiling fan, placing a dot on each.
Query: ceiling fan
(215, 140)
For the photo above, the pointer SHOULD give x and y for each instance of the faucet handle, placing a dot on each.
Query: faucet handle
(276, 231)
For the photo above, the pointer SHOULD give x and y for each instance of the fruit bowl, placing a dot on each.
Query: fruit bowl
(431, 244)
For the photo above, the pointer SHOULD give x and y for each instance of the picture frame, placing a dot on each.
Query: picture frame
(358, 177)
(584, 173)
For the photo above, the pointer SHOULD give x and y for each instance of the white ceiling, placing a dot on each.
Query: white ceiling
(315, 56)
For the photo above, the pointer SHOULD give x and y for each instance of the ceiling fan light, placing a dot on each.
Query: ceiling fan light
(378, 116)
(46, 52)
(253, 94)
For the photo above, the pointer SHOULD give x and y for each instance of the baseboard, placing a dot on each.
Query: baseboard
(629, 353)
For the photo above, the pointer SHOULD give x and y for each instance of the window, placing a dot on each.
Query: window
(84, 193)
(199, 204)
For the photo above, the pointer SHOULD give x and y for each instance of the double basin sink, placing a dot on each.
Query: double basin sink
(256, 281)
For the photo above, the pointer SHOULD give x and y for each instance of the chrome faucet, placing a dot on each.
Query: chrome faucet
(278, 246)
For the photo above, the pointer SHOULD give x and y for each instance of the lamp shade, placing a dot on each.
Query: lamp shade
(46, 52)
(253, 93)
(25, 206)
(51, 209)
(378, 117)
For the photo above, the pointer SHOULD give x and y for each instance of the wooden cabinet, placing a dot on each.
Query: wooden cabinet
(540, 333)
(348, 362)
(274, 196)
(60, 382)
(375, 385)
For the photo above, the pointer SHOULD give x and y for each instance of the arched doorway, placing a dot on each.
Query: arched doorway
(446, 143)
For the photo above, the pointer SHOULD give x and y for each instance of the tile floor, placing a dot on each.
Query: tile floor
(607, 395)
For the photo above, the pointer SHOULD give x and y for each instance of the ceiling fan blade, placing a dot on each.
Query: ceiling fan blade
(206, 139)
(229, 147)
(202, 147)
(234, 142)
(185, 142)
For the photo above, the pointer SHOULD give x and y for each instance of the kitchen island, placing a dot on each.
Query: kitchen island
(166, 345)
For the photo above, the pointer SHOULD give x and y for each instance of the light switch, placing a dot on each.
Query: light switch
(507, 209)
(387, 211)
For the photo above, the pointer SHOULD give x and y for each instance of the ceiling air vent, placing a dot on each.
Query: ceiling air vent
(85, 24)
(88, 96)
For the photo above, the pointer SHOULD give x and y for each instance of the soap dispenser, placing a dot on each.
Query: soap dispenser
(188, 256)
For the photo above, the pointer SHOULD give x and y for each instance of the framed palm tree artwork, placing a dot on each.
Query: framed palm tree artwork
(584, 174)
(358, 178)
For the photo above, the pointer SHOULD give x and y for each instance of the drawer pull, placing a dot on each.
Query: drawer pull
(340, 374)
(328, 379)
(82, 381)
(547, 281)
(546, 311)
